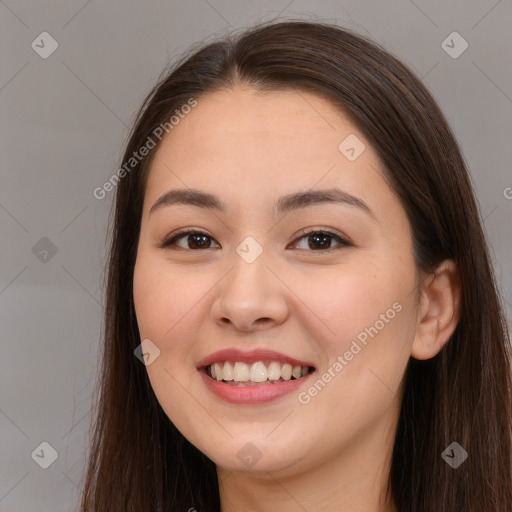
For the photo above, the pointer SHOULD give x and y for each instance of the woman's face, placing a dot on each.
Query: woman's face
(341, 300)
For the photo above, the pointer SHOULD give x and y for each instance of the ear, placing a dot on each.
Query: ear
(438, 311)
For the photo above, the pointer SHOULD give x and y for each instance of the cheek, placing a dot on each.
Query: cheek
(370, 313)
(371, 316)
(162, 297)
(355, 299)
(166, 304)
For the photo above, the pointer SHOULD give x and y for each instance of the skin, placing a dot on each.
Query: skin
(310, 302)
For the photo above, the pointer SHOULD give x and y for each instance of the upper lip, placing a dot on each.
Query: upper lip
(250, 356)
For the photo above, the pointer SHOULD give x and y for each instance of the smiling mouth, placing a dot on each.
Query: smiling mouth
(260, 373)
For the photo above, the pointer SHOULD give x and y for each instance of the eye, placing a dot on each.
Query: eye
(196, 240)
(321, 239)
(317, 239)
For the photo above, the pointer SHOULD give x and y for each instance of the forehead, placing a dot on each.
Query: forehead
(244, 145)
(269, 117)
(267, 135)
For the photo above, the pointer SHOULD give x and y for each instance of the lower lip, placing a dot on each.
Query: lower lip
(251, 394)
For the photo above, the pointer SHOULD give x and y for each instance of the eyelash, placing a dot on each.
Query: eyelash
(172, 239)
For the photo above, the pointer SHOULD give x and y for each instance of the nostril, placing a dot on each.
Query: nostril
(263, 320)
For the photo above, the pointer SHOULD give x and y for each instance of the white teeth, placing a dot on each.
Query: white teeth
(274, 371)
(256, 372)
(286, 371)
(228, 371)
(240, 372)
(217, 371)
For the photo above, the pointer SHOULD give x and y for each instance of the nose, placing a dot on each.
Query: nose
(251, 296)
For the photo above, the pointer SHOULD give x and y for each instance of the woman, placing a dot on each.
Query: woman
(301, 313)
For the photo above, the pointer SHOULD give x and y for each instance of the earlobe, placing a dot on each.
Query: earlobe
(438, 311)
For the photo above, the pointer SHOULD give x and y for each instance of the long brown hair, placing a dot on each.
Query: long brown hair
(140, 462)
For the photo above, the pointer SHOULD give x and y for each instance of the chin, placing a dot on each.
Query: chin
(258, 456)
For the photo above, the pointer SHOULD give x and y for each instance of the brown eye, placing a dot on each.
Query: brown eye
(319, 241)
(194, 240)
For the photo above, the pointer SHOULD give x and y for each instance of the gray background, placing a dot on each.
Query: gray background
(64, 120)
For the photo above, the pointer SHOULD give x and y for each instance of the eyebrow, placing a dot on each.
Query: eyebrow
(283, 205)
